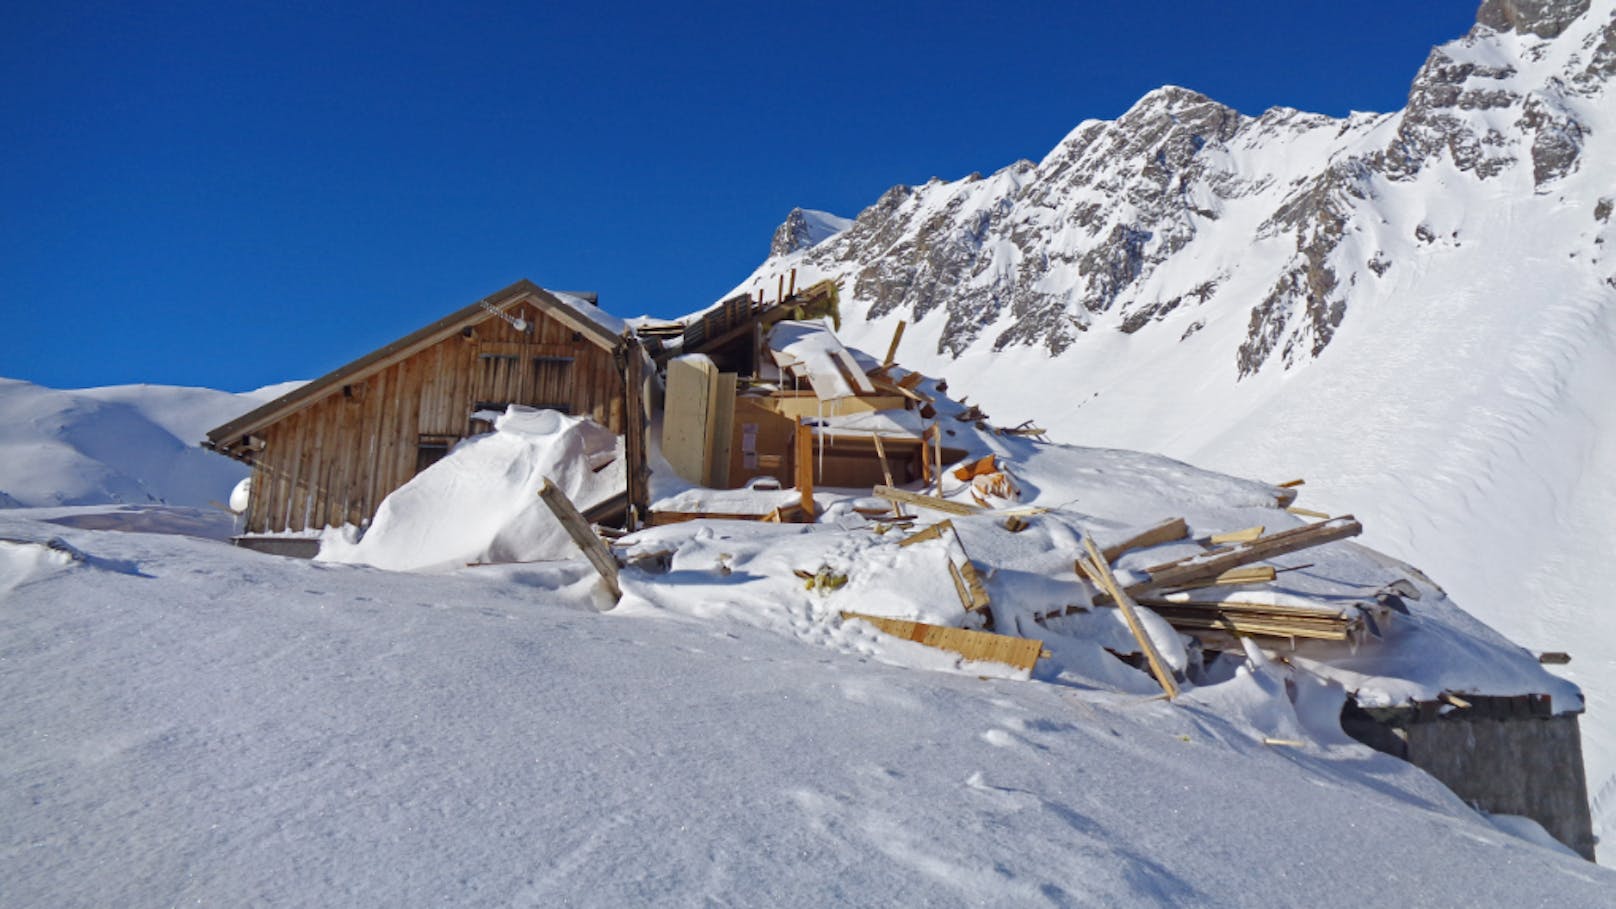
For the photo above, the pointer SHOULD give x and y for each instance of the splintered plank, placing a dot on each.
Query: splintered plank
(892, 349)
(1237, 536)
(1211, 564)
(1097, 567)
(595, 550)
(1249, 574)
(981, 646)
(921, 500)
(1167, 531)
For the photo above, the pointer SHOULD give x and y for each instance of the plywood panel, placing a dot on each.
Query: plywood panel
(692, 384)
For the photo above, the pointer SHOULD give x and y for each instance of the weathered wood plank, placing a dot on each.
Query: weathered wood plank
(892, 349)
(1165, 532)
(1098, 568)
(920, 500)
(1236, 536)
(1213, 563)
(294, 456)
(594, 549)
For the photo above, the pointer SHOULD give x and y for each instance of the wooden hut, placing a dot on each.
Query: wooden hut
(327, 453)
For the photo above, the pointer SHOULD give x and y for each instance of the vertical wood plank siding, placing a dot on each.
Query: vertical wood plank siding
(334, 460)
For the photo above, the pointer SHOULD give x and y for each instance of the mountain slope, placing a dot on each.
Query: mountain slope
(1415, 311)
(134, 444)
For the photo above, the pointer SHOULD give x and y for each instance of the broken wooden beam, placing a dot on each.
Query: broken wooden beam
(921, 500)
(594, 548)
(1247, 574)
(1097, 567)
(1236, 536)
(981, 646)
(1165, 532)
(1215, 562)
(892, 349)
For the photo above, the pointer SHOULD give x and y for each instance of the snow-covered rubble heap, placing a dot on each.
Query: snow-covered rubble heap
(749, 571)
(1407, 641)
(479, 503)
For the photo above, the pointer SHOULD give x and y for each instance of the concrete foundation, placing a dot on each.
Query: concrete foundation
(1503, 755)
(291, 547)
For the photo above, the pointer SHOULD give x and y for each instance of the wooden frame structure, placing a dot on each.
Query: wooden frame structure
(328, 452)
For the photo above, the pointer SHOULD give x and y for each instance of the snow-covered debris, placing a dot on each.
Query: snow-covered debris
(480, 503)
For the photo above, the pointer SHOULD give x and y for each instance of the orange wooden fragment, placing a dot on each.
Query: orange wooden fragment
(983, 646)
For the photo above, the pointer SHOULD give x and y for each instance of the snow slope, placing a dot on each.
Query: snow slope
(130, 443)
(189, 722)
(1414, 311)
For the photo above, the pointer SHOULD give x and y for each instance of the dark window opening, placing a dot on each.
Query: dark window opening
(430, 449)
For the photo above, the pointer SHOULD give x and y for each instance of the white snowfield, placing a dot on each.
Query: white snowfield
(187, 722)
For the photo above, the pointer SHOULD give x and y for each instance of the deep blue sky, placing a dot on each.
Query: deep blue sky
(238, 193)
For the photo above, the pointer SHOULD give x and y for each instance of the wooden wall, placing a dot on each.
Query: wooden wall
(334, 460)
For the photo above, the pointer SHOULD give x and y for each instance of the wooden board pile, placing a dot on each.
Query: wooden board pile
(1219, 620)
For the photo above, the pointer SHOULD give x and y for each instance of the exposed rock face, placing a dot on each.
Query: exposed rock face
(1183, 206)
(1543, 18)
(804, 229)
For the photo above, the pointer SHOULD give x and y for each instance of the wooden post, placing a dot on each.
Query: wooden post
(793, 291)
(634, 434)
(892, 349)
(595, 549)
(937, 440)
(780, 290)
(805, 467)
(1097, 568)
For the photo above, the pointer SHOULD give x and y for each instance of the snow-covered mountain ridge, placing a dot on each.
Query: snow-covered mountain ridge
(1415, 311)
(134, 444)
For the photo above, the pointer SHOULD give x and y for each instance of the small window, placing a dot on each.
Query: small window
(430, 449)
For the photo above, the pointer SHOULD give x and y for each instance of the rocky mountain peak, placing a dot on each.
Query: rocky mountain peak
(804, 229)
(1183, 208)
(1543, 18)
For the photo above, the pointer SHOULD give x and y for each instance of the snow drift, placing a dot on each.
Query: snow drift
(480, 502)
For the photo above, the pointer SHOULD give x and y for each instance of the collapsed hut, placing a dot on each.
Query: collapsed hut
(328, 452)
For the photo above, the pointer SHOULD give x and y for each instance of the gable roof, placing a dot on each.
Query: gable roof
(573, 310)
